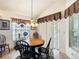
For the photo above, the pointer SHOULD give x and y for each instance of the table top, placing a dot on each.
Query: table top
(36, 42)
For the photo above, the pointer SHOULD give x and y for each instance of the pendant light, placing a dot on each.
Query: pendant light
(33, 21)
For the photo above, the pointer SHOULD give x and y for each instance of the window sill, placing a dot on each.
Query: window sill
(75, 49)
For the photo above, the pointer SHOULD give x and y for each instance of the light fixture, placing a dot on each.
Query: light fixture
(33, 21)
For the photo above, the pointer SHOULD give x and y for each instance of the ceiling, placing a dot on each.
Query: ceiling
(23, 7)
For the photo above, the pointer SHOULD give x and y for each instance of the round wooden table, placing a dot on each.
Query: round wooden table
(35, 42)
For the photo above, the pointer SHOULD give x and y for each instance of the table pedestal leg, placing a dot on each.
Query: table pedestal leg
(33, 53)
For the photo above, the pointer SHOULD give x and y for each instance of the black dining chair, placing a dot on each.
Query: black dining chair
(45, 50)
(3, 45)
(23, 48)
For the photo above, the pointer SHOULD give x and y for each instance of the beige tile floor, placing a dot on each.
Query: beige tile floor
(13, 54)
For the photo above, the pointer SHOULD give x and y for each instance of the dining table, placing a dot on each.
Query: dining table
(35, 42)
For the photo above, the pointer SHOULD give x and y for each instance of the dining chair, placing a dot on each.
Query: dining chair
(45, 50)
(23, 48)
(3, 45)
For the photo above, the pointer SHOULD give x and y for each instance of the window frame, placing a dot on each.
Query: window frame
(73, 44)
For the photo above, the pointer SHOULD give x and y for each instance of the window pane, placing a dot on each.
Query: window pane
(74, 31)
(19, 29)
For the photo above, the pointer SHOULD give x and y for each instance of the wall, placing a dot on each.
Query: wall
(7, 33)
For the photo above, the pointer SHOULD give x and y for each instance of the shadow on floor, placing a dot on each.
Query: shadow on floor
(41, 57)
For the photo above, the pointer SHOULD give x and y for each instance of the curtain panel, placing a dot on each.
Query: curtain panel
(76, 5)
(69, 11)
(66, 13)
(51, 17)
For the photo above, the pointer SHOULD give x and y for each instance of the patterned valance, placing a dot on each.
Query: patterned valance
(76, 5)
(51, 17)
(17, 20)
(74, 8)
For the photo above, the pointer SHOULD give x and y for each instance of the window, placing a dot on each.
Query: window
(19, 29)
(74, 31)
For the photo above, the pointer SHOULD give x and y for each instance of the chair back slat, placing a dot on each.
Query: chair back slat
(48, 45)
(22, 46)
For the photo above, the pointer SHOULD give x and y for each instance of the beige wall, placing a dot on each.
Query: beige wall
(7, 33)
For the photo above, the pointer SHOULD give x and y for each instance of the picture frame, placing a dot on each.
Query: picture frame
(4, 24)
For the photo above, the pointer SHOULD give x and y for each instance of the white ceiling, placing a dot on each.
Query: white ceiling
(23, 7)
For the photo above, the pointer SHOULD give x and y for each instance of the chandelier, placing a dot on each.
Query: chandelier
(33, 21)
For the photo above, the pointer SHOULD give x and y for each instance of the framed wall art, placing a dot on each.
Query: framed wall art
(4, 24)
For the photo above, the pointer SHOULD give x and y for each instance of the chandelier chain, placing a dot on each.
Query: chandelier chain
(31, 9)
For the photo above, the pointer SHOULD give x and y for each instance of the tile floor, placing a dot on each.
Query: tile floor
(13, 54)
